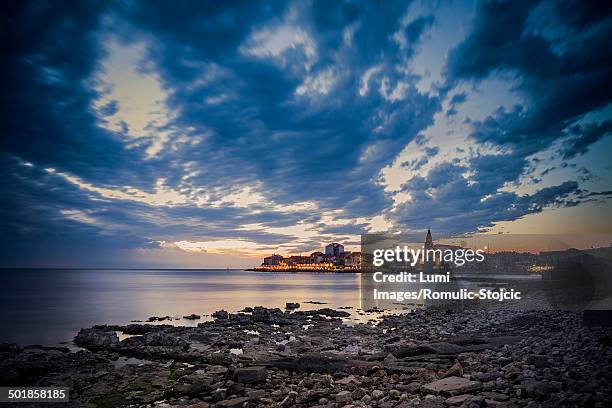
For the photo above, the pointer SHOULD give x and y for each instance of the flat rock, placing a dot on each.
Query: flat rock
(317, 362)
(343, 396)
(495, 396)
(458, 400)
(250, 375)
(256, 394)
(347, 380)
(451, 386)
(216, 369)
(233, 403)
(453, 347)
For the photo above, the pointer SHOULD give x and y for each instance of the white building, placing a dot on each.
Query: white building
(334, 249)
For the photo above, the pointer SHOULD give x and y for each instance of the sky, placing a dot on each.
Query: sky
(208, 134)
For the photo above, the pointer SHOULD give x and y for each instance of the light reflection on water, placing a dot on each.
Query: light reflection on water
(50, 306)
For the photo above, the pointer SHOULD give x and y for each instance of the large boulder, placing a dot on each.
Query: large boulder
(221, 314)
(96, 338)
(250, 375)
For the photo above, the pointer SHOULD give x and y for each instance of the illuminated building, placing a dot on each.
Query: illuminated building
(334, 258)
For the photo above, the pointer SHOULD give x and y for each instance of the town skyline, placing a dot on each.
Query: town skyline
(491, 244)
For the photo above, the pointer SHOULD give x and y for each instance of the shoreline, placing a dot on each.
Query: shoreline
(306, 270)
(269, 357)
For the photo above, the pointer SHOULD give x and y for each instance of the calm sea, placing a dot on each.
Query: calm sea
(49, 306)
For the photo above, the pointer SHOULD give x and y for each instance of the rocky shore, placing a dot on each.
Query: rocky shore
(280, 358)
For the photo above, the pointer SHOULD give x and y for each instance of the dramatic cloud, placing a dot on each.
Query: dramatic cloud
(198, 127)
(562, 69)
(558, 58)
(584, 136)
(447, 201)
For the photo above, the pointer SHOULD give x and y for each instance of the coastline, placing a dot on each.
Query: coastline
(297, 270)
(270, 357)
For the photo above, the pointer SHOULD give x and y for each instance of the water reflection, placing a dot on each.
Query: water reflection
(49, 306)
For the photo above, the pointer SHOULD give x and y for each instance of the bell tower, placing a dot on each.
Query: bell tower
(429, 263)
(428, 240)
